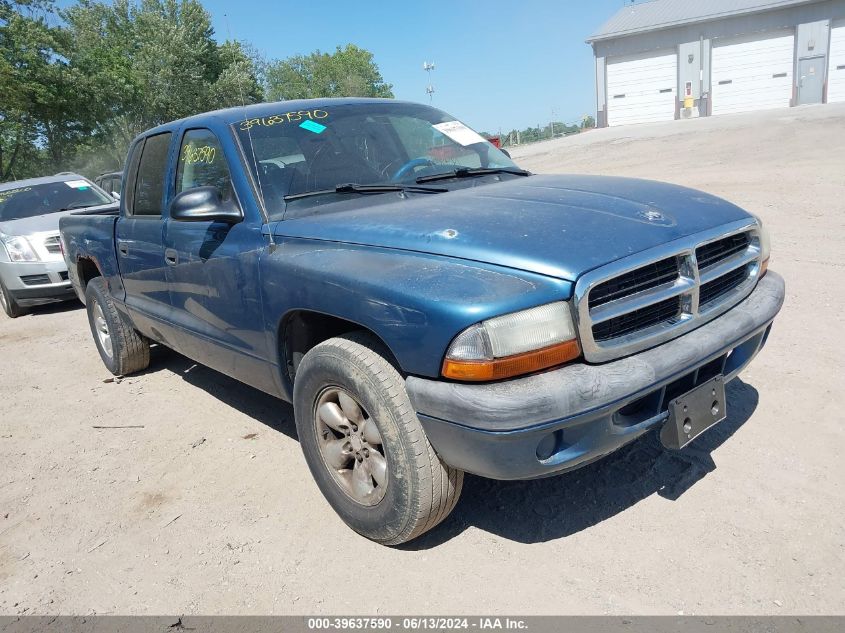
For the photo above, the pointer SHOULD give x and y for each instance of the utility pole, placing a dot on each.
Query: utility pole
(428, 67)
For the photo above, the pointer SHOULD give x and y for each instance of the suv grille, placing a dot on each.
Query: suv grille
(35, 280)
(52, 245)
(655, 299)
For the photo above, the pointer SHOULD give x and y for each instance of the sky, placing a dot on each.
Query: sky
(498, 65)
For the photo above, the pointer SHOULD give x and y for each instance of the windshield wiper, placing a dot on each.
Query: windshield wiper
(80, 205)
(468, 172)
(352, 187)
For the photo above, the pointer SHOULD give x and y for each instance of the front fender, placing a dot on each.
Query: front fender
(415, 302)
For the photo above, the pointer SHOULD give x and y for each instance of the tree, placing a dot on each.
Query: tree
(41, 115)
(348, 72)
(148, 62)
(238, 80)
(78, 84)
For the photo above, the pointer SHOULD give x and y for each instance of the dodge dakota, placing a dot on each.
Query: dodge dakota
(428, 307)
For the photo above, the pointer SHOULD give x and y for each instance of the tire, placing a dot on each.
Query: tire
(123, 349)
(419, 490)
(9, 305)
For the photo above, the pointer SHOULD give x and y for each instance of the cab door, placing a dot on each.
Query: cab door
(212, 270)
(138, 237)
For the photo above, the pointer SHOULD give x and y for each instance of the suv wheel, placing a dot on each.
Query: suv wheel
(364, 444)
(8, 303)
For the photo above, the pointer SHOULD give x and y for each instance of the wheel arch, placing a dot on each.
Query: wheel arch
(301, 330)
(86, 270)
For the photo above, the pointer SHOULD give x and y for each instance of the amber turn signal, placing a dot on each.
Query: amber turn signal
(509, 366)
(764, 266)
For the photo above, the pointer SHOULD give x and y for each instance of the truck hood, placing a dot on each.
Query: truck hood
(41, 223)
(561, 226)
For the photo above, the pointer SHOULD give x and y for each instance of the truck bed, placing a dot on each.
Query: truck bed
(88, 238)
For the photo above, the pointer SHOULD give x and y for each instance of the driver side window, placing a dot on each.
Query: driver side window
(202, 163)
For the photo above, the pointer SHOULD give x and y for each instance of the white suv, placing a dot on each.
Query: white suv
(32, 268)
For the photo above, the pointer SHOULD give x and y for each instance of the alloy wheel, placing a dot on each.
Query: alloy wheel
(351, 446)
(101, 328)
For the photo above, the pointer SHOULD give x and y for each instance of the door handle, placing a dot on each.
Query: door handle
(123, 249)
(171, 257)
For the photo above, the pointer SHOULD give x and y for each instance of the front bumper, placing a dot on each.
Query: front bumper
(33, 283)
(565, 418)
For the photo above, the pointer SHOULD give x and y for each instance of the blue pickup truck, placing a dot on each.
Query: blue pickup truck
(427, 306)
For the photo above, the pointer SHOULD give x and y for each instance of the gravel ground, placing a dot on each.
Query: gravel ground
(209, 508)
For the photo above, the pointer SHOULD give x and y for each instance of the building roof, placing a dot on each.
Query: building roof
(663, 14)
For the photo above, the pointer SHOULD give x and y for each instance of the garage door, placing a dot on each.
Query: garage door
(836, 71)
(641, 89)
(752, 73)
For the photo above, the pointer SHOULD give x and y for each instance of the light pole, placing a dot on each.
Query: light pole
(428, 67)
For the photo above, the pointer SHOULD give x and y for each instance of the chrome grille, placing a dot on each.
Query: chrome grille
(720, 286)
(717, 251)
(649, 276)
(638, 319)
(648, 298)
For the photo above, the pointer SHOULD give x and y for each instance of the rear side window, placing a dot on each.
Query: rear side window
(149, 185)
(132, 173)
(202, 163)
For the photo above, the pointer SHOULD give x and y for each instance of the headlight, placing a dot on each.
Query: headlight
(20, 249)
(765, 246)
(513, 344)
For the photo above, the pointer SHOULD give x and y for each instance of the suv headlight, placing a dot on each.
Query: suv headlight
(513, 344)
(20, 250)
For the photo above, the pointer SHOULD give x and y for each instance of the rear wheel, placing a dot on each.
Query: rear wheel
(8, 303)
(364, 444)
(122, 348)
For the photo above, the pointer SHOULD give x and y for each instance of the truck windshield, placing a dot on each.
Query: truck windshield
(324, 148)
(29, 201)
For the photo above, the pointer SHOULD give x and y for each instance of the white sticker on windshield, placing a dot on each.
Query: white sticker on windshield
(77, 184)
(460, 133)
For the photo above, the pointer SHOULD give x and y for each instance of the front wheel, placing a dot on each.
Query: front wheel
(364, 444)
(8, 303)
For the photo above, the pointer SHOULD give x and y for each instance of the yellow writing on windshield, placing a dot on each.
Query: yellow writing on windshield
(5, 195)
(287, 117)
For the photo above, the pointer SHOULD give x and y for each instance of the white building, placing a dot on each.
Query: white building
(668, 59)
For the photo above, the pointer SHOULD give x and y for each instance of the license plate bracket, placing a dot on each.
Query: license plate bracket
(693, 413)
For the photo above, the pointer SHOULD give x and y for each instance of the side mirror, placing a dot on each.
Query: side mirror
(505, 152)
(115, 195)
(204, 204)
